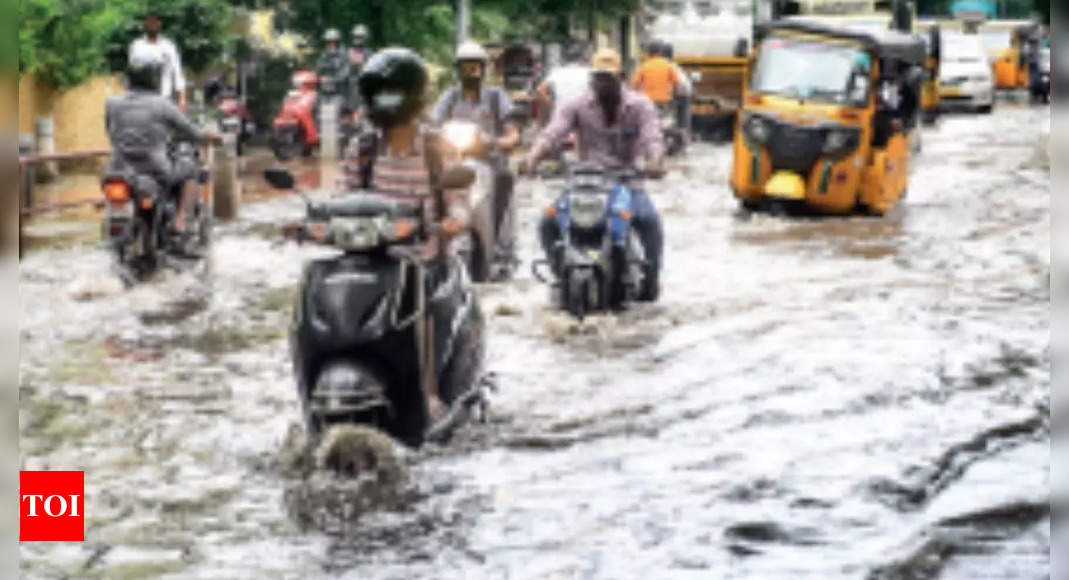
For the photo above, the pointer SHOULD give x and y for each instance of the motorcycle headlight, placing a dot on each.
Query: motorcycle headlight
(587, 209)
(354, 234)
(460, 134)
(758, 129)
(841, 140)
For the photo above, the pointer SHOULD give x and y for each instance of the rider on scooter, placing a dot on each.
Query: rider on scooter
(334, 66)
(615, 126)
(400, 158)
(141, 124)
(490, 108)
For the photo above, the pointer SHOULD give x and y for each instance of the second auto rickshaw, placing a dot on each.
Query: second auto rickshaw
(931, 99)
(828, 119)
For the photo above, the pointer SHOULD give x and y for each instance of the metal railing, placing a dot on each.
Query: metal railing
(27, 180)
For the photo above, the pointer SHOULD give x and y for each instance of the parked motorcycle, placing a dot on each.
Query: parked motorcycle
(296, 131)
(604, 263)
(139, 213)
(487, 251)
(377, 323)
(234, 117)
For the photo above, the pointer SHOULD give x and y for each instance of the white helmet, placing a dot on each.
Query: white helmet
(360, 32)
(471, 50)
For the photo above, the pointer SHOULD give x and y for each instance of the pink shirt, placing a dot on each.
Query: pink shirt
(405, 177)
(637, 130)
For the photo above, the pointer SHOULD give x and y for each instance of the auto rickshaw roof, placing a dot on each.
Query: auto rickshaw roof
(889, 44)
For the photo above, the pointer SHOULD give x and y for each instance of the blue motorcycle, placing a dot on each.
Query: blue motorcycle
(603, 262)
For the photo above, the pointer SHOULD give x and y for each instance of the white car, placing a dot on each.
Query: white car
(965, 77)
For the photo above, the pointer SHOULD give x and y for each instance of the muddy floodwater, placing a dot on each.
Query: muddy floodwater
(836, 398)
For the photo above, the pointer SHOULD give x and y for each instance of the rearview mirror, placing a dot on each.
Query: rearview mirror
(279, 178)
(458, 177)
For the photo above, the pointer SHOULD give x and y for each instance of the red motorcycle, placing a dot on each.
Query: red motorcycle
(296, 131)
(234, 116)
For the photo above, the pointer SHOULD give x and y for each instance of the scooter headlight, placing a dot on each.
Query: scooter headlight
(758, 129)
(841, 141)
(460, 134)
(588, 209)
(354, 234)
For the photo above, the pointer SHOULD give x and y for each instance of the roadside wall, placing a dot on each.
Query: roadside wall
(78, 112)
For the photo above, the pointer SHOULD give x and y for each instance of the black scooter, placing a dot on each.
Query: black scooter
(377, 324)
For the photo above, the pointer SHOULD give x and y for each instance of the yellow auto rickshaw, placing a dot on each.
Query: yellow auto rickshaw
(1006, 43)
(828, 118)
(931, 98)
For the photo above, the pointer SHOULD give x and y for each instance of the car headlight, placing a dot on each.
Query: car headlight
(758, 129)
(460, 134)
(980, 79)
(587, 209)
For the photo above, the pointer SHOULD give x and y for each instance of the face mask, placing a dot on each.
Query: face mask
(385, 108)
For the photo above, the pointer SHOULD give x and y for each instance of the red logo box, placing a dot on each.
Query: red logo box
(51, 506)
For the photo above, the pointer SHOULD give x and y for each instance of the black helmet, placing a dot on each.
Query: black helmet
(144, 71)
(393, 84)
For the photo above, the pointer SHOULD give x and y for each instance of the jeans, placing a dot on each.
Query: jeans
(645, 219)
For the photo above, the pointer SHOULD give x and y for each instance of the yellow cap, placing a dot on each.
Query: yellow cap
(606, 60)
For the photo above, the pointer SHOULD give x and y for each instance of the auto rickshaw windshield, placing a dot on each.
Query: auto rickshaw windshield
(806, 69)
(996, 40)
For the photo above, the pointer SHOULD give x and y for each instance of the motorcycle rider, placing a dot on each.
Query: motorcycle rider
(490, 108)
(656, 77)
(615, 125)
(141, 123)
(684, 90)
(334, 65)
(400, 157)
(358, 50)
(567, 82)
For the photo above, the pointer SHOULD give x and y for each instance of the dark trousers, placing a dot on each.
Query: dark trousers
(504, 181)
(646, 221)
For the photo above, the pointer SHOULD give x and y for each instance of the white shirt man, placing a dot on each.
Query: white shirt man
(173, 83)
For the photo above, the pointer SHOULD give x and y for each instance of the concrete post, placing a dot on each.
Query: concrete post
(226, 184)
(463, 20)
(27, 179)
(328, 133)
(26, 183)
(46, 144)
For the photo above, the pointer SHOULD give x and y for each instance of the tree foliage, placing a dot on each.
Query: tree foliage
(427, 26)
(64, 42)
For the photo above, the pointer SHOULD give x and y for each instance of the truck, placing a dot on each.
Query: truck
(711, 41)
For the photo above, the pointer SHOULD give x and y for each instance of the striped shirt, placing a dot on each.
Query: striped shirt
(405, 177)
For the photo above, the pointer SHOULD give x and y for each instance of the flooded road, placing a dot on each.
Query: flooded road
(836, 398)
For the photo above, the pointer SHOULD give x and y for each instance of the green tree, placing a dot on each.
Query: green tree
(197, 27)
(64, 42)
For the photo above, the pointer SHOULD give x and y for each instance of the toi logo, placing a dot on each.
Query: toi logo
(51, 506)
